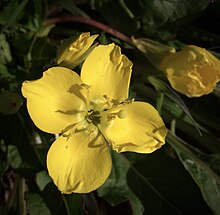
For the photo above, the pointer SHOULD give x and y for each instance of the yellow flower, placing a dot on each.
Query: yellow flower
(74, 51)
(193, 71)
(90, 113)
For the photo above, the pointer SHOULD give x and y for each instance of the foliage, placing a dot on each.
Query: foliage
(183, 177)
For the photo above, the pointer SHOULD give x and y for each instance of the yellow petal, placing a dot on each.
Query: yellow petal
(193, 71)
(72, 52)
(56, 100)
(80, 163)
(187, 84)
(137, 127)
(108, 73)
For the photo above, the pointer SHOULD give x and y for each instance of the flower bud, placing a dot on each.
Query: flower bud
(193, 71)
(74, 51)
(153, 50)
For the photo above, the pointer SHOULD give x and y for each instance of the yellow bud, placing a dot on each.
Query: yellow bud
(73, 51)
(193, 71)
(154, 51)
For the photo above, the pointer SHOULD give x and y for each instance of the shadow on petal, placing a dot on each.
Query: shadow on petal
(69, 112)
(76, 90)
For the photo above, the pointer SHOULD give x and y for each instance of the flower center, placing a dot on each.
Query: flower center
(100, 112)
(93, 117)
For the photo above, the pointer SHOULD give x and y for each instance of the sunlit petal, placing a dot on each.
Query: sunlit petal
(108, 72)
(137, 127)
(56, 100)
(80, 163)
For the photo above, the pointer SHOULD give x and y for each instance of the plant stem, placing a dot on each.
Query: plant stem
(91, 22)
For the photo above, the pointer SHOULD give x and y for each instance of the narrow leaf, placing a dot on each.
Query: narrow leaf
(163, 87)
(202, 169)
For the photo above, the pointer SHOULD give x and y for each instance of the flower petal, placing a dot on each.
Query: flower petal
(56, 100)
(193, 71)
(188, 84)
(79, 164)
(108, 72)
(138, 127)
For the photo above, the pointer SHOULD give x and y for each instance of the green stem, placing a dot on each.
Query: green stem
(66, 204)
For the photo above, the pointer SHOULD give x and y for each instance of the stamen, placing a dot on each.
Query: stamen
(75, 128)
(108, 100)
(111, 103)
(92, 132)
(128, 102)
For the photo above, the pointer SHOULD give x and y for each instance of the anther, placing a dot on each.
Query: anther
(128, 101)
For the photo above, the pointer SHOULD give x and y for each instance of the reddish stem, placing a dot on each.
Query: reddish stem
(91, 22)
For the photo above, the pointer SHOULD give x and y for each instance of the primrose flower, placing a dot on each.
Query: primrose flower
(74, 51)
(91, 112)
(193, 71)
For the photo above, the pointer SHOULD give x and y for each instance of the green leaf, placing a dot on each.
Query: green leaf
(123, 18)
(203, 168)
(116, 189)
(10, 102)
(12, 12)
(3, 157)
(73, 9)
(14, 158)
(7, 11)
(74, 204)
(148, 16)
(163, 87)
(5, 52)
(15, 133)
(42, 179)
(36, 204)
(153, 184)
(45, 30)
(62, 204)
(4, 73)
(42, 54)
